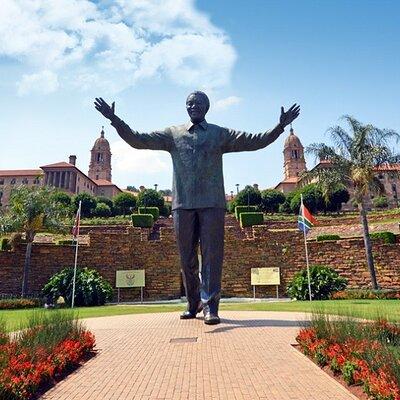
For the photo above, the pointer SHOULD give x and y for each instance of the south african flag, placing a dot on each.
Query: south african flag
(305, 220)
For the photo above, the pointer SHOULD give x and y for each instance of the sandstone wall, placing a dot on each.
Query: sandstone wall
(259, 247)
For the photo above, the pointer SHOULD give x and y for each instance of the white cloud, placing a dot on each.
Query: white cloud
(139, 162)
(113, 43)
(225, 103)
(43, 83)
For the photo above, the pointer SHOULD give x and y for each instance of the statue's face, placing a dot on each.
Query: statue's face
(197, 107)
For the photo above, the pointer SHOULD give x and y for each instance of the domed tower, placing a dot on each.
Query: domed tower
(100, 160)
(293, 154)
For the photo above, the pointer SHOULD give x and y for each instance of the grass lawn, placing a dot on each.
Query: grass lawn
(369, 309)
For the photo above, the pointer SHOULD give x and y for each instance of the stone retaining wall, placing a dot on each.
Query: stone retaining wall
(259, 247)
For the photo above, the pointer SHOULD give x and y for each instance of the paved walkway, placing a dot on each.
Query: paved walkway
(248, 356)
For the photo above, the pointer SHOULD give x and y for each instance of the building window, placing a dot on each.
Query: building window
(25, 181)
(1, 181)
(13, 181)
(100, 157)
(295, 154)
(380, 176)
(36, 181)
(97, 177)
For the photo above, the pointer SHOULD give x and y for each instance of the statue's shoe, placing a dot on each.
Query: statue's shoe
(211, 319)
(191, 314)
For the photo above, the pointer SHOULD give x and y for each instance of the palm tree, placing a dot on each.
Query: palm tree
(30, 210)
(353, 160)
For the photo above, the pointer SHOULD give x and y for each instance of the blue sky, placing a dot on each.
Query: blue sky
(251, 57)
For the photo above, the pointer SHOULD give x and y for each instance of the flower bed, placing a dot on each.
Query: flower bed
(53, 345)
(365, 354)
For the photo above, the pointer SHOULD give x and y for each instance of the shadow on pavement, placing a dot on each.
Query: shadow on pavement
(229, 324)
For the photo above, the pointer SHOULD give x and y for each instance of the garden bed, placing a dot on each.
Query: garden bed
(365, 356)
(35, 358)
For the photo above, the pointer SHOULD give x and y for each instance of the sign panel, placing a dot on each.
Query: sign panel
(265, 276)
(129, 278)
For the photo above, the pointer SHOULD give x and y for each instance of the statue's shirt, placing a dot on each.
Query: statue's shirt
(196, 152)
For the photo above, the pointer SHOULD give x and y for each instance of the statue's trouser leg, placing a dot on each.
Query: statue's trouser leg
(211, 221)
(187, 232)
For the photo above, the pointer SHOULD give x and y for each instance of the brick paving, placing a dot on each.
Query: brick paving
(248, 356)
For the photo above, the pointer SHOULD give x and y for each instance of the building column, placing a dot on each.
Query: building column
(51, 178)
(67, 179)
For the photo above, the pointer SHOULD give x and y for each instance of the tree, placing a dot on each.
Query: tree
(88, 204)
(337, 197)
(249, 196)
(150, 198)
(124, 203)
(312, 198)
(271, 199)
(102, 210)
(105, 200)
(132, 189)
(353, 159)
(30, 210)
(62, 198)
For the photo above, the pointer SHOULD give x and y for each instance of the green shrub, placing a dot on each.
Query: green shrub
(322, 238)
(118, 220)
(387, 237)
(251, 218)
(5, 244)
(324, 282)
(154, 211)
(91, 288)
(65, 242)
(166, 210)
(14, 304)
(380, 202)
(143, 220)
(240, 209)
(348, 372)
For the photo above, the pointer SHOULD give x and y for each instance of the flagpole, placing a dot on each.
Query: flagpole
(76, 254)
(305, 246)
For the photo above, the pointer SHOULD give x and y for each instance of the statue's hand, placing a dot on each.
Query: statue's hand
(104, 108)
(290, 115)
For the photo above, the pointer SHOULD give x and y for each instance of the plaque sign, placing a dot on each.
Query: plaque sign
(130, 278)
(265, 276)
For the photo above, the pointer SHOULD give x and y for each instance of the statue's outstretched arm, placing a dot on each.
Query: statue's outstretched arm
(158, 140)
(234, 141)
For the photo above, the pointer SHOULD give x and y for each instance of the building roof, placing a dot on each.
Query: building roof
(103, 182)
(61, 164)
(21, 172)
(292, 140)
(388, 167)
(102, 141)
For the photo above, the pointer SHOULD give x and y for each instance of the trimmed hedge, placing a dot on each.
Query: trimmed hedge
(15, 304)
(65, 242)
(387, 237)
(322, 238)
(5, 244)
(143, 220)
(251, 218)
(154, 211)
(240, 209)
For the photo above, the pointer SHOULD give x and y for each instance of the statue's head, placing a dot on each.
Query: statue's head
(197, 105)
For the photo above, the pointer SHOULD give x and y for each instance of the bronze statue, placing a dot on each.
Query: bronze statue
(198, 203)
